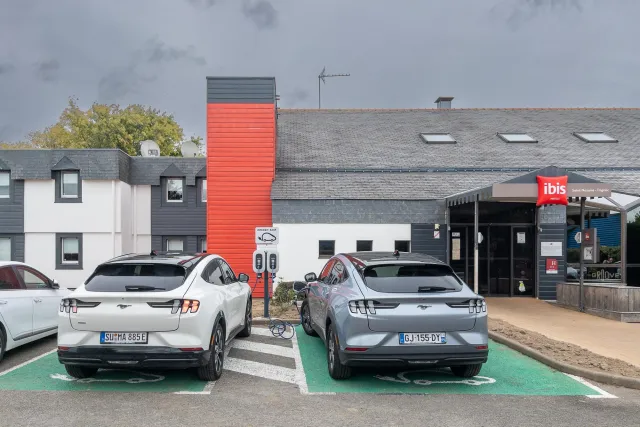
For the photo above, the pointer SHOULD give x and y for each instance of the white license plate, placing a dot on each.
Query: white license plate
(124, 338)
(423, 338)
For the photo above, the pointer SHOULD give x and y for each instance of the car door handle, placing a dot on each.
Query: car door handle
(37, 300)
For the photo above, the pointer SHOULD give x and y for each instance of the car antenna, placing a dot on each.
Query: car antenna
(153, 252)
(396, 253)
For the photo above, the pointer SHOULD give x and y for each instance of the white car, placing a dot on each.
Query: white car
(29, 303)
(168, 310)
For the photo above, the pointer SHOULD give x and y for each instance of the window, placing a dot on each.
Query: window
(364, 245)
(5, 185)
(175, 244)
(516, 137)
(203, 244)
(326, 271)
(227, 272)
(326, 248)
(403, 246)
(69, 185)
(68, 251)
(203, 195)
(411, 278)
(32, 279)
(594, 137)
(118, 276)
(8, 279)
(175, 190)
(438, 138)
(338, 274)
(5, 249)
(213, 273)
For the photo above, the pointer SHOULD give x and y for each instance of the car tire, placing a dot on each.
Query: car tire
(337, 370)
(212, 370)
(248, 318)
(80, 372)
(3, 343)
(466, 371)
(305, 319)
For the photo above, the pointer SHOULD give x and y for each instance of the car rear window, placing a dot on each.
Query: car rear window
(411, 278)
(136, 277)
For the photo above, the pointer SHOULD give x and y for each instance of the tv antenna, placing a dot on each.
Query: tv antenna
(322, 76)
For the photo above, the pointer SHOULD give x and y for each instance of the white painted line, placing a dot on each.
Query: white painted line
(301, 378)
(262, 370)
(262, 332)
(27, 362)
(276, 350)
(602, 393)
(208, 388)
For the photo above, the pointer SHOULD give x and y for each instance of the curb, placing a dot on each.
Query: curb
(601, 377)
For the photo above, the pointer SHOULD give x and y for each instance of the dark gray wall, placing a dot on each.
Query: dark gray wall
(185, 219)
(552, 222)
(423, 241)
(12, 219)
(158, 243)
(357, 211)
(238, 90)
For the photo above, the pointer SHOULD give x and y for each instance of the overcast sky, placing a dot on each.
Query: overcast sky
(400, 53)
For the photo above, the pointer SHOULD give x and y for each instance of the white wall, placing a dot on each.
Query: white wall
(113, 217)
(298, 247)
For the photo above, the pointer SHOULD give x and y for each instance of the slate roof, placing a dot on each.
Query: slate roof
(104, 164)
(319, 151)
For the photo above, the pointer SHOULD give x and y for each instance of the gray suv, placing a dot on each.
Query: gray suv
(376, 309)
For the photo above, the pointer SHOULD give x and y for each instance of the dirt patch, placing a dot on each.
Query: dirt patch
(564, 352)
(281, 311)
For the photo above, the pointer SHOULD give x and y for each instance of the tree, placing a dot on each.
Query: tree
(110, 126)
(16, 146)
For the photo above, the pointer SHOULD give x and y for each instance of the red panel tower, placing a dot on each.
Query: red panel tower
(241, 150)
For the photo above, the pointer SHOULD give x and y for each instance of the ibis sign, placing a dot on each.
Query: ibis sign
(267, 236)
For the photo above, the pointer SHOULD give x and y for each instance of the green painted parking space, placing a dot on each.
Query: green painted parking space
(506, 373)
(47, 374)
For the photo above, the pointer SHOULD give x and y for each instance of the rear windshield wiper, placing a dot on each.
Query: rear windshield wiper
(433, 289)
(143, 288)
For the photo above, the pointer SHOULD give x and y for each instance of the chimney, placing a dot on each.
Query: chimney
(444, 101)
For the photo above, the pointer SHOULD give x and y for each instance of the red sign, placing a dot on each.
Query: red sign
(552, 266)
(552, 190)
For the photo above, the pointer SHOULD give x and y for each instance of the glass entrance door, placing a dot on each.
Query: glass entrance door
(499, 260)
(524, 266)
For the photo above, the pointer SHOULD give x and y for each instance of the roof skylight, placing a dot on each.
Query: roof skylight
(516, 137)
(594, 137)
(438, 138)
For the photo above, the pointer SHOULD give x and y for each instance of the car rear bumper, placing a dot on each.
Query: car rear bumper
(133, 357)
(362, 359)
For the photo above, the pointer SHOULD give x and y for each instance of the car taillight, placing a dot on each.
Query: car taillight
(474, 305)
(71, 305)
(364, 306)
(178, 305)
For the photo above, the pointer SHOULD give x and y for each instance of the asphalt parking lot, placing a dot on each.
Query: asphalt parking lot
(271, 381)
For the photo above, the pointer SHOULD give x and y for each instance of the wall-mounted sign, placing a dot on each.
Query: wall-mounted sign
(480, 237)
(552, 190)
(436, 234)
(553, 249)
(552, 266)
(521, 238)
(267, 236)
(578, 237)
(455, 234)
(455, 250)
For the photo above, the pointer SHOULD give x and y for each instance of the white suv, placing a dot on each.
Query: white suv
(154, 311)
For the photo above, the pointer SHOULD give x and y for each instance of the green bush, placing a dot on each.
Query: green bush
(284, 293)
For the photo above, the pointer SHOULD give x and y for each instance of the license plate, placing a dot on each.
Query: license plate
(124, 338)
(423, 338)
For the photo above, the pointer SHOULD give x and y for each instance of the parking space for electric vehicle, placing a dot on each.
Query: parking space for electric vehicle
(260, 355)
(506, 373)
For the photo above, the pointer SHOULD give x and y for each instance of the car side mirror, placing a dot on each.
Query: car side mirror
(298, 286)
(310, 277)
(55, 284)
(244, 278)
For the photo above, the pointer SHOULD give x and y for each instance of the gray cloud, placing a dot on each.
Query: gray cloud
(202, 4)
(121, 81)
(261, 12)
(6, 68)
(47, 71)
(520, 12)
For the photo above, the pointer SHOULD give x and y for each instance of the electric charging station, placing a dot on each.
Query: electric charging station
(266, 259)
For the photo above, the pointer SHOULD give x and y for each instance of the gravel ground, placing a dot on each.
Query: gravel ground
(564, 352)
(283, 312)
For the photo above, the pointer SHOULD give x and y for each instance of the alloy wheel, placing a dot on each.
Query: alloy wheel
(331, 350)
(218, 349)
